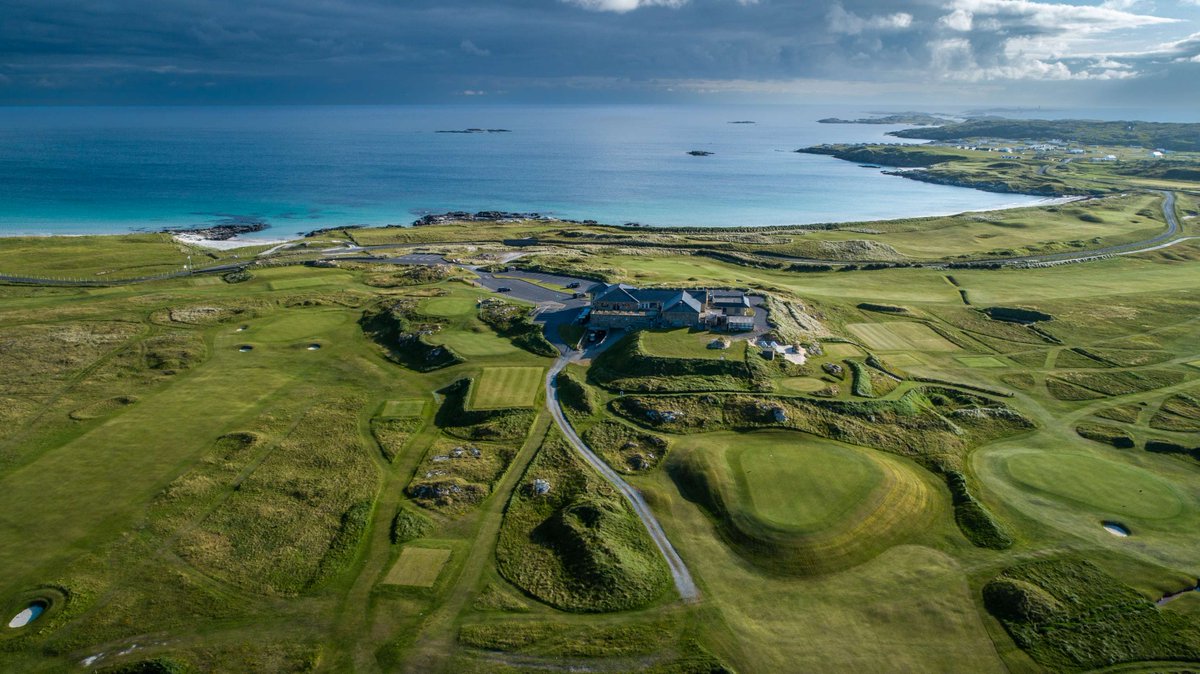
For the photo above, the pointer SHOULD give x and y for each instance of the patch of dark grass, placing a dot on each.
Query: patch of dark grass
(516, 323)
(1069, 615)
(409, 525)
(575, 395)
(405, 336)
(1124, 413)
(1077, 385)
(453, 417)
(1109, 435)
(577, 546)
(626, 448)
(550, 639)
(393, 434)
(627, 366)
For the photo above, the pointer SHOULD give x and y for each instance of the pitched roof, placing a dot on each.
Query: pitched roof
(618, 292)
(682, 301)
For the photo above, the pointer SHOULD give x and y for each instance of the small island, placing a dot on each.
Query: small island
(700, 153)
(908, 118)
(474, 131)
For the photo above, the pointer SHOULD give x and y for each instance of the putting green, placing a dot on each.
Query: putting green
(476, 343)
(448, 307)
(803, 384)
(802, 504)
(981, 361)
(300, 325)
(804, 487)
(1099, 484)
(502, 387)
(901, 336)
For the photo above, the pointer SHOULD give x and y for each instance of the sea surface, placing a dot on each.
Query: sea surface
(81, 170)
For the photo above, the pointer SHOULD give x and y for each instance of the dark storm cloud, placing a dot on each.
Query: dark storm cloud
(379, 50)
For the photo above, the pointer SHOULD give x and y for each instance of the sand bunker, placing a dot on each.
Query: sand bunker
(1116, 529)
(27, 616)
(314, 347)
(245, 348)
(242, 328)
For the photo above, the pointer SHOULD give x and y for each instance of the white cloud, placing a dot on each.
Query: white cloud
(471, 48)
(849, 23)
(1055, 17)
(622, 6)
(960, 20)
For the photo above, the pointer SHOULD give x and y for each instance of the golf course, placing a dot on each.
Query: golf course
(979, 452)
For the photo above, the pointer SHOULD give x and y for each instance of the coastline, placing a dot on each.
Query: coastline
(216, 244)
(236, 242)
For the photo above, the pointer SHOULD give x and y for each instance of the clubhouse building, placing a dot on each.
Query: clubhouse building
(618, 305)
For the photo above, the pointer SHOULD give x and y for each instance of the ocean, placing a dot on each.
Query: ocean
(83, 170)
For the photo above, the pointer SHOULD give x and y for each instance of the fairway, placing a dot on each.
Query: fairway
(840, 350)
(418, 567)
(903, 360)
(803, 384)
(1105, 486)
(299, 325)
(981, 361)
(296, 283)
(503, 387)
(403, 408)
(900, 336)
(1195, 364)
(448, 307)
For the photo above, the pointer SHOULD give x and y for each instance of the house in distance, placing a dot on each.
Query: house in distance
(621, 306)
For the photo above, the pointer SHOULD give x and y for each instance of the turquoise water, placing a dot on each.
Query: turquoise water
(105, 170)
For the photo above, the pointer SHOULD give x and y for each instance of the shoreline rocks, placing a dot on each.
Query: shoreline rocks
(229, 228)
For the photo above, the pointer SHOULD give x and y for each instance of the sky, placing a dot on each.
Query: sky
(946, 52)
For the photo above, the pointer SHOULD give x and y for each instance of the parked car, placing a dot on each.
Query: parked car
(573, 284)
(504, 289)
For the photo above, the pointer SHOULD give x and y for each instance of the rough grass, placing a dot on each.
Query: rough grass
(1090, 385)
(627, 366)
(294, 521)
(453, 417)
(578, 547)
(626, 448)
(393, 434)
(1071, 616)
(1180, 413)
(1109, 435)
(455, 476)
(516, 323)
(409, 525)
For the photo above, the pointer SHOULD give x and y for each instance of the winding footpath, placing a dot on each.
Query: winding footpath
(679, 571)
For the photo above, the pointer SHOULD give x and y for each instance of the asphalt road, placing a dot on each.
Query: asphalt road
(679, 571)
